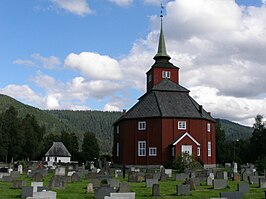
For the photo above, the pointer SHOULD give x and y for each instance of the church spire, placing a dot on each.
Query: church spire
(161, 53)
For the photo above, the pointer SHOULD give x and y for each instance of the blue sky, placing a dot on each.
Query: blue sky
(93, 54)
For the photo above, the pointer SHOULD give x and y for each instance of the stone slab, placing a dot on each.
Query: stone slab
(243, 187)
(130, 195)
(232, 195)
(101, 192)
(150, 182)
(182, 190)
(219, 184)
(27, 191)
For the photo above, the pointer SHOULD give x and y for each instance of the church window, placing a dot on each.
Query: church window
(182, 125)
(208, 127)
(209, 149)
(166, 74)
(141, 148)
(142, 125)
(152, 151)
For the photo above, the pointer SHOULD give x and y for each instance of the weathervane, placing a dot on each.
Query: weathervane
(162, 7)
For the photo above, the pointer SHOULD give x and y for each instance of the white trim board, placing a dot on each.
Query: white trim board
(186, 134)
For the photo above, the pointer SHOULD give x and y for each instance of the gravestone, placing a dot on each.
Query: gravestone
(232, 195)
(210, 179)
(7, 179)
(219, 184)
(135, 177)
(60, 171)
(44, 195)
(66, 179)
(181, 176)
(14, 174)
(190, 183)
(90, 188)
(236, 177)
(18, 184)
(150, 182)
(196, 181)
(82, 173)
(253, 179)
(37, 177)
(27, 192)
(113, 183)
(90, 175)
(96, 183)
(101, 192)
(35, 185)
(243, 187)
(235, 168)
(123, 187)
(129, 195)
(182, 190)
(70, 173)
(169, 172)
(262, 182)
(156, 176)
(20, 169)
(75, 177)
(155, 190)
(56, 182)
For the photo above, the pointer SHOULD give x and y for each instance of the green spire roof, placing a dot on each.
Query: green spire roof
(161, 53)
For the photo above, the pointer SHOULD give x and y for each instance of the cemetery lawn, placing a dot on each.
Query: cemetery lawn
(167, 190)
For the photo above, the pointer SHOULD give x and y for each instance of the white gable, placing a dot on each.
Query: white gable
(186, 134)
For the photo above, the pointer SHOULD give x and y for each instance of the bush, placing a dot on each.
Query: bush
(261, 164)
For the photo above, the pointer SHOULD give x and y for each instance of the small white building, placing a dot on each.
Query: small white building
(58, 153)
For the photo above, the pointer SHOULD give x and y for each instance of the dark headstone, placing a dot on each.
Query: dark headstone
(14, 174)
(75, 177)
(262, 182)
(101, 192)
(7, 179)
(18, 184)
(155, 190)
(181, 176)
(38, 177)
(123, 187)
(243, 187)
(57, 182)
(150, 182)
(232, 195)
(27, 192)
(182, 190)
(219, 184)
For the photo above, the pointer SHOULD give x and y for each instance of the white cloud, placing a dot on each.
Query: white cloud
(95, 66)
(38, 60)
(122, 3)
(77, 7)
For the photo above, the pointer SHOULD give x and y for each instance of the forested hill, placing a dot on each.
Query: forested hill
(98, 122)
(234, 131)
(51, 123)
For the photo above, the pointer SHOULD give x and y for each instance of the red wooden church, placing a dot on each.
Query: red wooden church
(165, 122)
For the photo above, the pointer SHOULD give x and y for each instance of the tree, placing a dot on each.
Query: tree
(70, 141)
(221, 155)
(90, 147)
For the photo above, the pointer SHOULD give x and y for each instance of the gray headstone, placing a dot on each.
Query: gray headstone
(57, 182)
(60, 171)
(75, 177)
(182, 190)
(210, 181)
(243, 187)
(27, 192)
(150, 182)
(82, 173)
(7, 179)
(156, 176)
(169, 172)
(96, 183)
(232, 195)
(262, 182)
(124, 187)
(253, 179)
(18, 184)
(196, 181)
(182, 176)
(44, 194)
(190, 183)
(14, 174)
(155, 190)
(219, 184)
(113, 183)
(129, 195)
(20, 169)
(90, 175)
(35, 185)
(101, 192)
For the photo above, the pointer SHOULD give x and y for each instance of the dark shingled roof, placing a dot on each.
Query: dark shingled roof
(163, 63)
(167, 99)
(58, 149)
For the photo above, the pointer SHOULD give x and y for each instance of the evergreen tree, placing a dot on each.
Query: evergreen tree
(70, 141)
(221, 150)
(90, 147)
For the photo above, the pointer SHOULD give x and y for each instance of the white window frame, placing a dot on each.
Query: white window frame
(142, 125)
(209, 149)
(182, 125)
(117, 149)
(141, 148)
(166, 74)
(117, 129)
(152, 151)
(198, 151)
(208, 127)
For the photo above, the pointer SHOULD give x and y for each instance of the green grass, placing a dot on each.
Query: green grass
(167, 190)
